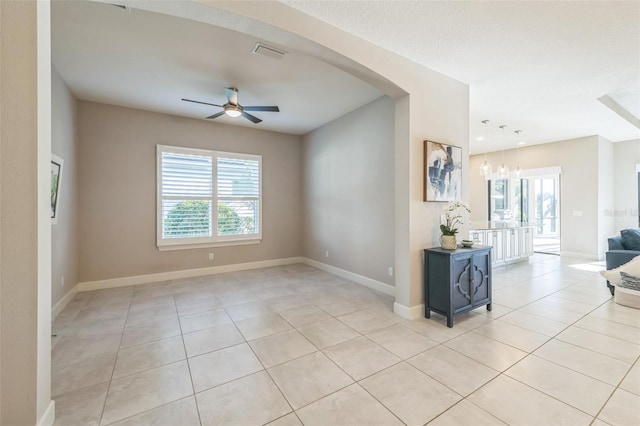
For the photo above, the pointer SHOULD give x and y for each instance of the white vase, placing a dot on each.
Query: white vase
(448, 242)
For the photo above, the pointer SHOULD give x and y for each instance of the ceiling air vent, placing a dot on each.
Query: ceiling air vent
(121, 6)
(272, 52)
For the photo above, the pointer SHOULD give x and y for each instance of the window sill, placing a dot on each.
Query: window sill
(208, 245)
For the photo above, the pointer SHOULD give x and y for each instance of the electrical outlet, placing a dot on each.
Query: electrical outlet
(210, 256)
(390, 271)
(326, 253)
(62, 281)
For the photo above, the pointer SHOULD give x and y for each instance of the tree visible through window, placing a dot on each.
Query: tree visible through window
(188, 218)
(194, 217)
(230, 223)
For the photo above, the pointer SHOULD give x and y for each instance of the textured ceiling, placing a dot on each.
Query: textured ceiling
(535, 66)
(150, 61)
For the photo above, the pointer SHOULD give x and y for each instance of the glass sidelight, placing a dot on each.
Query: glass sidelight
(508, 200)
(546, 218)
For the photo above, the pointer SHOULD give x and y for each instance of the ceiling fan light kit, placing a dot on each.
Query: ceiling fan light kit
(233, 109)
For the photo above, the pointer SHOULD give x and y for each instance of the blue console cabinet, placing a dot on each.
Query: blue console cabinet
(456, 281)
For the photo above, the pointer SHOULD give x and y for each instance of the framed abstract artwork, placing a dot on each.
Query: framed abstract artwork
(442, 172)
(56, 178)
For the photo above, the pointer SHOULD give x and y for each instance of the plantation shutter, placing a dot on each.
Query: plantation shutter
(238, 194)
(187, 195)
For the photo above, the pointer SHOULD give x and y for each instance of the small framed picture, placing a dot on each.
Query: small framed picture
(56, 179)
(442, 172)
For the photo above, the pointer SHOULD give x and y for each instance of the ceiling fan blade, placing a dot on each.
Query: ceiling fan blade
(261, 108)
(203, 103)
(232, 95)
(250, 117)
(215, 115)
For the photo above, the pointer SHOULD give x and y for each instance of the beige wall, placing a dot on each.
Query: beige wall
(579, 183)
(606, 194)
(64, 234)
(18, 214)
(436, 108)
(117, 191)
(348, 167)
(626, 157)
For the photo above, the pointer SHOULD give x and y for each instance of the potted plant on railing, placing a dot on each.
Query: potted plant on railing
(453, 218)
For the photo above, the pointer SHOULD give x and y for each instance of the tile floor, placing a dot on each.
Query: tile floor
(293, 345)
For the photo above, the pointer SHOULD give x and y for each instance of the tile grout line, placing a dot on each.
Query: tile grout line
(186, 358)
(115, 362)
(616, 388)
(272, 380)
(464, 398)
(551, 396)
(576, 371)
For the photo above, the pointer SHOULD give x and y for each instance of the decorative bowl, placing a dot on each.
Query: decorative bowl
(467, 243)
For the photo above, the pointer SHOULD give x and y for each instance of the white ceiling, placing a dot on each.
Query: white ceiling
(538, 66)
(535, 66)
(150, 61)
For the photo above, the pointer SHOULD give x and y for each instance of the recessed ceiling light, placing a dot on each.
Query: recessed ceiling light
(521, 143)
(480, 138)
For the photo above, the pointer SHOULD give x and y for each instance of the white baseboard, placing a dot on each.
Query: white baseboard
(49, 416)
(409, 313)
(365, 281)
(585, 256)
(186, 273)
(62, 303)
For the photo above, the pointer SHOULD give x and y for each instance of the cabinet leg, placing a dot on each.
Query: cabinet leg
(427, 313)
(489, 307)
(450, 321)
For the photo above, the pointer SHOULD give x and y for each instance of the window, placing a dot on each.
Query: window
(508, 200)
(207, 198)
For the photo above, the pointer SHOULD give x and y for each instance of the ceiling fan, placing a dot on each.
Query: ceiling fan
(233, 109)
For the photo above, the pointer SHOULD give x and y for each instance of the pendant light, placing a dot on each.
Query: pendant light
(485, 168)
(517, 173)
(503, 171)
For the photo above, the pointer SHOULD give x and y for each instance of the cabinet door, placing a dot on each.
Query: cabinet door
(508, 248)
(516, 251)
(496, 241)
(526, 242)
(460, 291)
(480, 284)
(524, 234)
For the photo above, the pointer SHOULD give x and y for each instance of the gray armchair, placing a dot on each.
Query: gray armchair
(617, 256)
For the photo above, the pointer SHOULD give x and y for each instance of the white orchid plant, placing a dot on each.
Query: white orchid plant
(453, 217)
